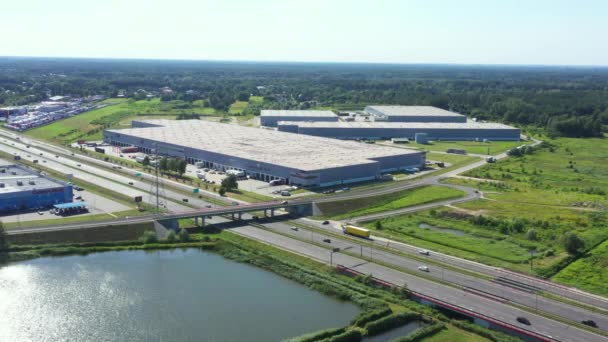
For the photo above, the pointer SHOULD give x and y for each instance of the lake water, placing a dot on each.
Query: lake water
(177, 295)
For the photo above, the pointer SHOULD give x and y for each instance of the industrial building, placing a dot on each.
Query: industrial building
(269, 118)
(22, 189)
(389, 130)
(412, 114)
(266, 154)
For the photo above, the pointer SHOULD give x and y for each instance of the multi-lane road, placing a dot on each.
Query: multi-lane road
(403, 268)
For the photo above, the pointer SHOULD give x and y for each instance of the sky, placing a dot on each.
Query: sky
(544, 32)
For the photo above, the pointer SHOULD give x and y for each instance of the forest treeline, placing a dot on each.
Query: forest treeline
(567, 101)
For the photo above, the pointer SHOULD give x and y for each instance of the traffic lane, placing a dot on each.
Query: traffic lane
(78, 165)
(474, 303)
(79, 173)
(530, 300)
(470, 265)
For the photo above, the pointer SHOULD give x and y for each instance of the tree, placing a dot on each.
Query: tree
(230, 183)
(171, 237)
(181, 167)
(183, 235)
(164, 164)
(222, 190)
(146, 161)
(532, 235)
(572, 243)
(172, 165)
(3, 239)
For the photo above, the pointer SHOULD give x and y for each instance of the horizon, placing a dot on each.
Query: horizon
(243, 61)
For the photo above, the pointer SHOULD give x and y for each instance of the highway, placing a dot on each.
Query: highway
(549, 328)
(98, 175)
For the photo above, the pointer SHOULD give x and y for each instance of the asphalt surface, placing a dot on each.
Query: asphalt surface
(101, 176)
(555, 330)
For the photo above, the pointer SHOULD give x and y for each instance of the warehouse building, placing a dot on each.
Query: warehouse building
(22, 189)
(390, 130)
(266, 154)
(412, 114)
(269, 118)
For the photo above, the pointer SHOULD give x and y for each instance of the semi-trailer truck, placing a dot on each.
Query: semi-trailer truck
(356, 231)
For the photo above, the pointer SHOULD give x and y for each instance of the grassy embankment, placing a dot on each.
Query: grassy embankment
(473, 147)
(530, 202)
(370, 205)
(380, 309)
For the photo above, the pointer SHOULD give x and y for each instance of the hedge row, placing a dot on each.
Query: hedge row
(318, 335)
(492, 335)
(349, 336)
(420, 334)
(390, 322)
(367, 317)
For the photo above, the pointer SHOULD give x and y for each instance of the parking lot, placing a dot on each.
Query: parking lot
(96, 205)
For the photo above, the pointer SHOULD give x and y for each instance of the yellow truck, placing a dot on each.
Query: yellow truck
(356, 231)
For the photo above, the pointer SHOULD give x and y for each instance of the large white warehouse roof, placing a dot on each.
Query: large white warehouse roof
(298, 113)
(411, 111)
(296, 151)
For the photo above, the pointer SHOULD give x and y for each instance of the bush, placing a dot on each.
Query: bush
(318, 335)
(349, 336)
(367, 317)
(421, 334)
(389, 322)
(572, 243)
(171, 238)
(149, 237)
(222, 191)
(183, 235)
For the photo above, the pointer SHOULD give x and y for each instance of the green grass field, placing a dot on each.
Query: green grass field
(560, 188)
(588, 272)
(493, 147)
(453, 334)
(365, 206)
(238, 107)
(90, 125)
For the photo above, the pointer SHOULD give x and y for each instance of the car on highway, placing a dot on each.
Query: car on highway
(326, 222)
(255, 217)
(235, 203)
(208, 206)
(590, 323)
(284, 202)
(40, 213)
(78, 165)
(78, 197)
(294, 228)
(523, 320)
(424, 252)
(327, 240)
(41, 154)
(423, 268)
(56, 156)
(130, 183)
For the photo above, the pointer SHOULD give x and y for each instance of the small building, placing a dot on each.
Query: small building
(22, 189)
(270, 118)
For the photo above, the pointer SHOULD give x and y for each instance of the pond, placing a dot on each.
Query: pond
(177, 295)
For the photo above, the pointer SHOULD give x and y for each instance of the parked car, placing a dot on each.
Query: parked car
(423, 268)
(523, 320)
(40, 213)
(78, 197)
(327, 240)
(590, 323)
(255, 217)
(424, 252)
(325, 222)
